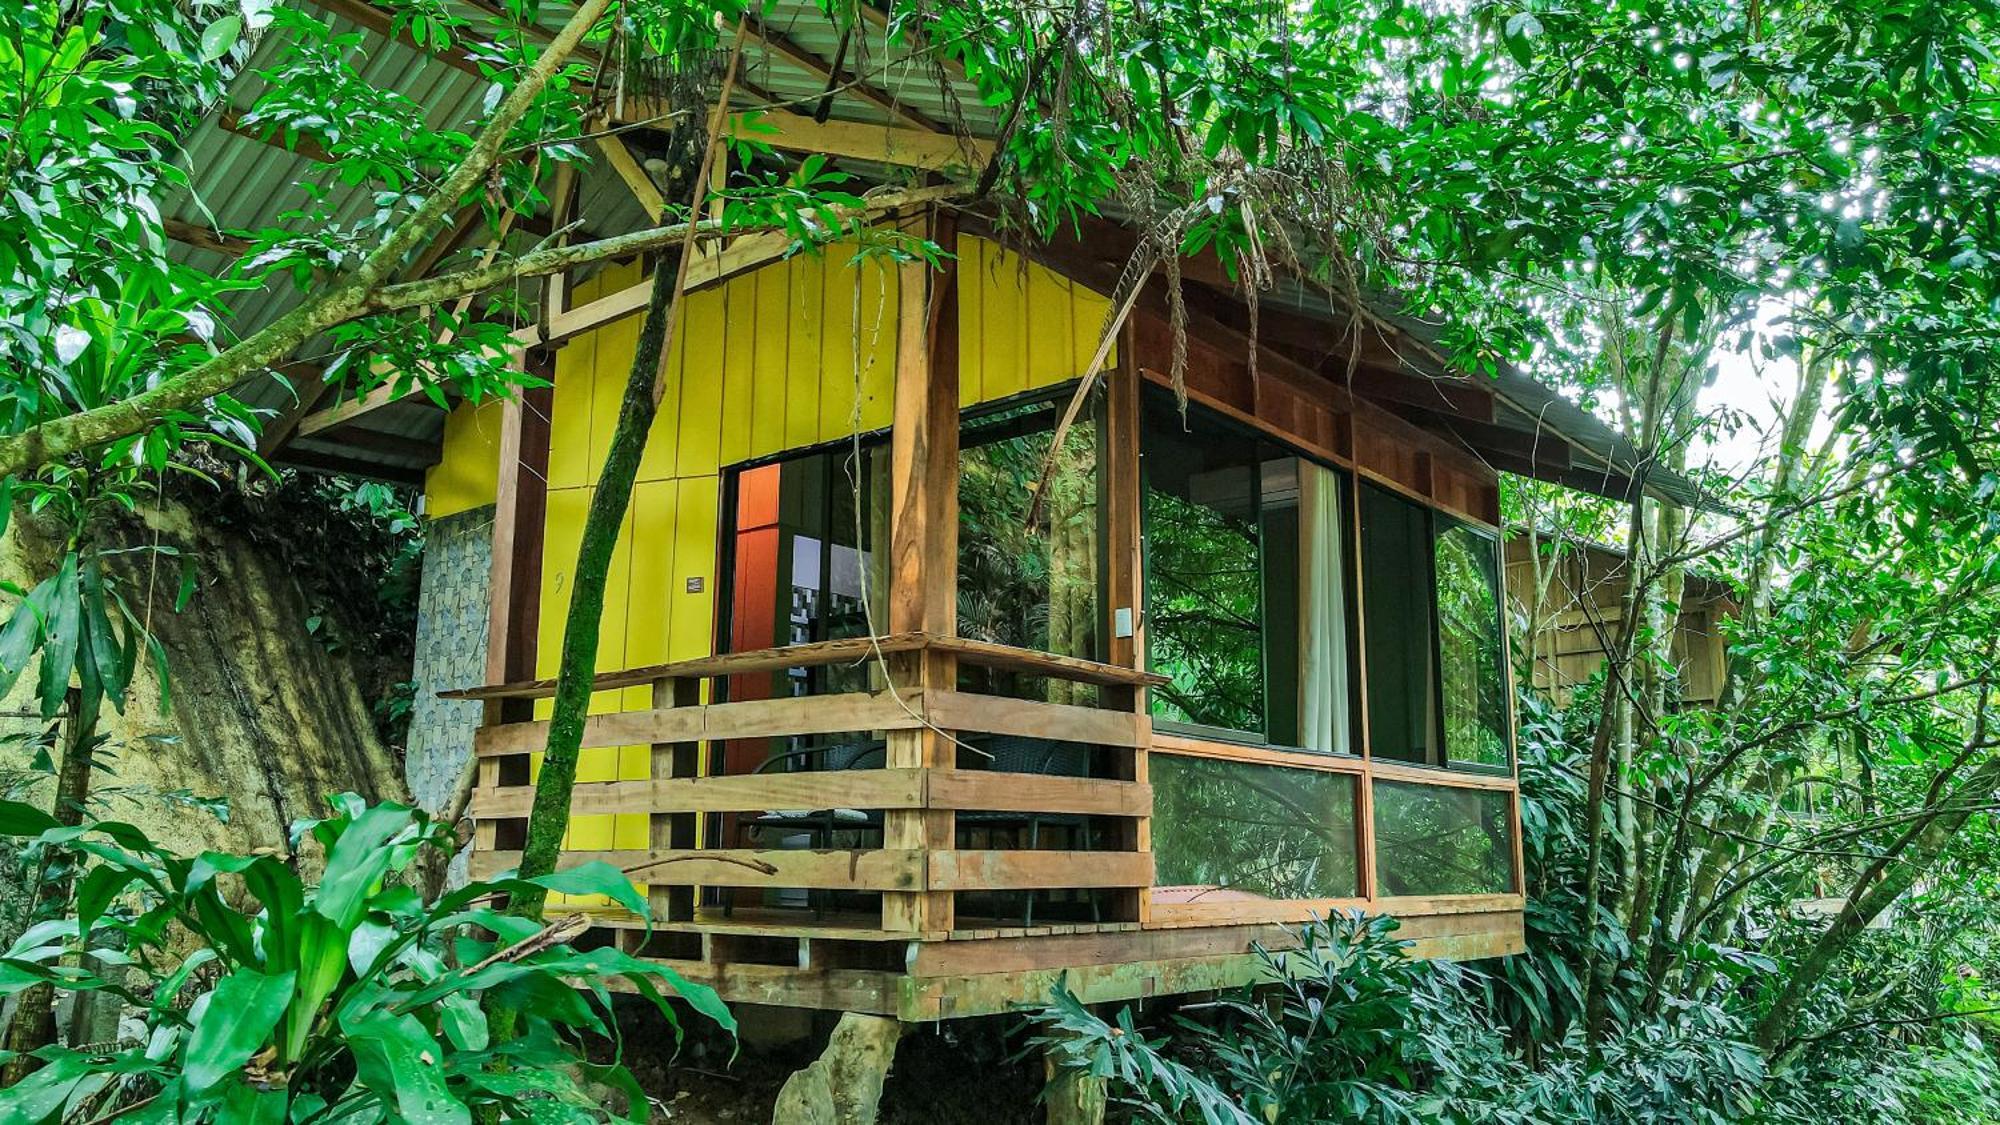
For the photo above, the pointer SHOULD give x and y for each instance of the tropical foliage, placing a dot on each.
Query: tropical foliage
(267, 999)
(1610, 196)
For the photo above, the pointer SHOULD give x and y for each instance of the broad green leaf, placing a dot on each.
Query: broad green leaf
(244, 1104)
(220, 36)
(397, 1059)
(235, 1024)
(40, 1097)
(20, 819)
(357, 864)
(64, 613)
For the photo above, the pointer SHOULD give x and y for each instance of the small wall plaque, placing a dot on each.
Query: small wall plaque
(694, 585)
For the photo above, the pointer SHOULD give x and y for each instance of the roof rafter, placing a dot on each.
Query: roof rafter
(786, 48)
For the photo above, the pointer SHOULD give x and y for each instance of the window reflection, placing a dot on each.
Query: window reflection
(1437, 684)
(1471, 673)
(1033, 584)
(1246, 583)
(1438, 840)
(1226, 831)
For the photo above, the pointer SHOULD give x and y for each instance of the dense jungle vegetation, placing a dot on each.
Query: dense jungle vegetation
(1779, 907)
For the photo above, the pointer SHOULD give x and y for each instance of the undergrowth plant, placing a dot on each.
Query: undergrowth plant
(261, 998)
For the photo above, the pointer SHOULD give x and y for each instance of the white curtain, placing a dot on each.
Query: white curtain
(1322, 611)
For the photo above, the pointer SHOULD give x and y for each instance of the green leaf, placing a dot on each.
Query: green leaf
(95, 893)
(64, 612)
(19, 819)
(235, 1024)
(40, 1096)
(220, 37)
(357, 863)
(110, 658)
(397, 1059)
(595, 878)
(247, 1105)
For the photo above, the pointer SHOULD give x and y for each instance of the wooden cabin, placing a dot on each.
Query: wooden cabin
(1573, 602)
(880, 734)
(879, 729)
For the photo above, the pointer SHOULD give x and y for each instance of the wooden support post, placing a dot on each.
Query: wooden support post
(515, 567)
(671, 903)
(1125, 588)
(844, 1085)
(923, 560)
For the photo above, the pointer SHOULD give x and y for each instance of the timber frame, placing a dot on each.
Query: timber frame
(914, 959)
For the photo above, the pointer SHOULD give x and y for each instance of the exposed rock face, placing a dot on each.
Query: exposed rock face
(262, 714)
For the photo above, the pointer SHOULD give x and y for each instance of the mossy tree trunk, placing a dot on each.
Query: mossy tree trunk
(548, 818)
(34, 1023)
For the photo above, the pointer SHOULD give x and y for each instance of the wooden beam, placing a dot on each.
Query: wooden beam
(230, 120)
(879, 144)
(923, 552)
(806, 789)
(406, 449)
(784, 47)
(309, 384)
(1453, 396)
(860, 870)
(519, 504)
(382, 23)
(748, 718)
(1029, 718)
(742, 255)
(636, 180)
(1545, 450)
(953, 870)
(995, 791)
(442, 245)
(323, 463)
(206, 238)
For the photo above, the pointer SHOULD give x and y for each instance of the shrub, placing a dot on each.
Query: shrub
(266, 1000)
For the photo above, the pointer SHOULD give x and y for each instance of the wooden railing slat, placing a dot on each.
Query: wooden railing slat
(850, 649)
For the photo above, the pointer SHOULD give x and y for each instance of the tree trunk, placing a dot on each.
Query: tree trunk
(548, 818)
(1885, 880)
(34, 1024)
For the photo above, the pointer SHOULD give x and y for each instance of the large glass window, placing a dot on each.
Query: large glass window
(1439, 840)
(1246, 606)
(1225, 831)
(1437, 690)
(1029, 575)
(1472, 675)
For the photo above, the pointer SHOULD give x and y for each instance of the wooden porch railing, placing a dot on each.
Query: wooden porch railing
(918, 883)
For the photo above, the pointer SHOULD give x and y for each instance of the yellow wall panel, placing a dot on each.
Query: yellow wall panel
(803, 323)
(971, 339)
(1020, 328)
(1050, 359)
(653, 522)
(691, 625)
(739, 322)
(467, 474)
(770, 363)
(562, 532)
(569, 414)
(878, 383)
(656, 461)
(1003, 319)
(704, 332)
(617, 602)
